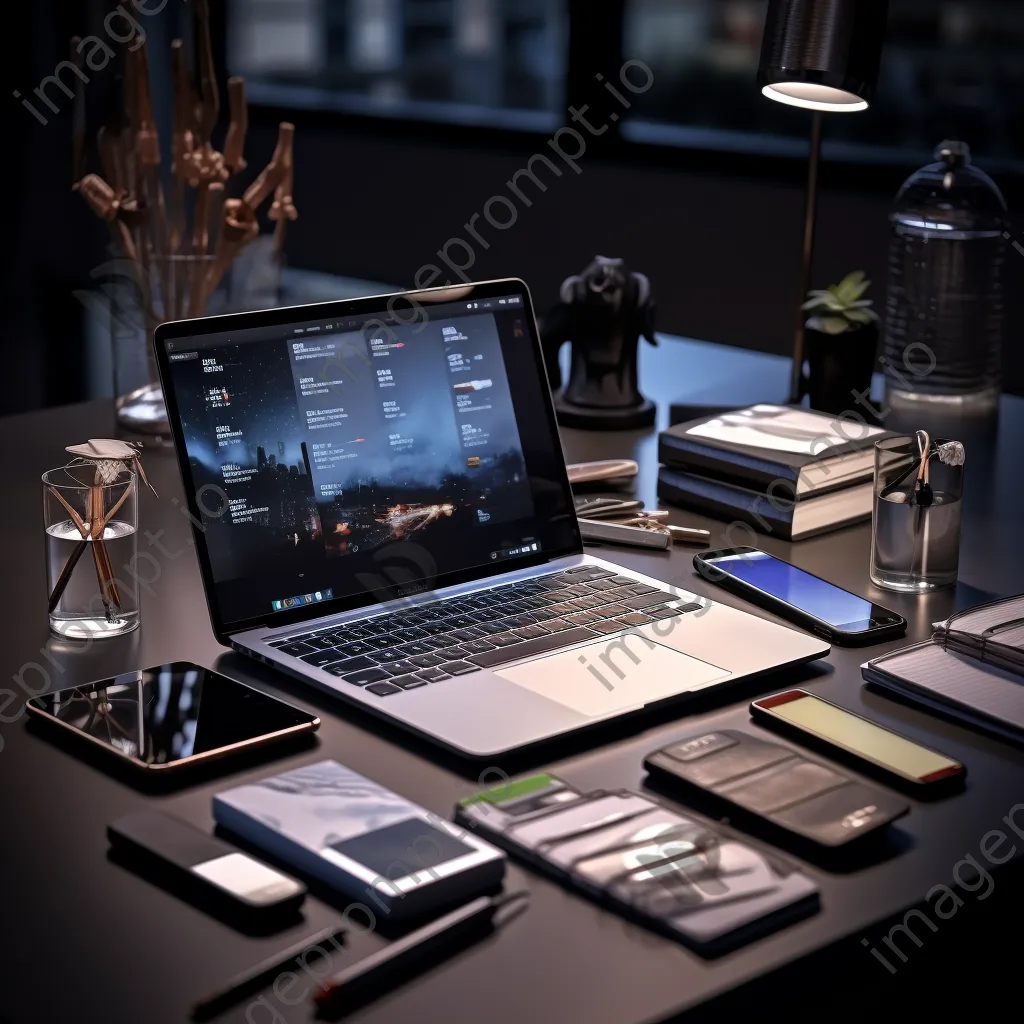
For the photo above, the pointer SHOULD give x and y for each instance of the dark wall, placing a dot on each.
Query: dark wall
(719, 235)
(719, 240)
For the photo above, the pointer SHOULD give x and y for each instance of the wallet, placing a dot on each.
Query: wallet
(670, 871)
(773, 782)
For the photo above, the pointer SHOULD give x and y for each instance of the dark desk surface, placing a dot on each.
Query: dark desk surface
(84, 939)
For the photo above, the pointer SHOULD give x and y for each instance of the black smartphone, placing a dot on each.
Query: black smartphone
(820, 723)
(817, 605)
(172, 716)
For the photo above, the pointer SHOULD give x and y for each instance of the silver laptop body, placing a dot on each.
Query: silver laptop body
(467, 611)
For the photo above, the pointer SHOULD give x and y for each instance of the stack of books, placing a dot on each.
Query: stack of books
(785, 471)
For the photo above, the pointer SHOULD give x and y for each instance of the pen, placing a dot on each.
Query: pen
(400, 956)
(255, 978)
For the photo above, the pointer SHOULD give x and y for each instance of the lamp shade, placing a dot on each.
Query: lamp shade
(822, 54)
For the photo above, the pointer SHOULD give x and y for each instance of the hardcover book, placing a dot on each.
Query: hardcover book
(778, 515)
(795, 452)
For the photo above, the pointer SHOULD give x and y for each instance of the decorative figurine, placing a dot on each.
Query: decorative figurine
(603, 312)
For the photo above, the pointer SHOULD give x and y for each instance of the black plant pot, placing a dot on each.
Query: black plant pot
(840, 367)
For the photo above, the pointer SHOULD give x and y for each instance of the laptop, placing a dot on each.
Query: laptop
(380, 507)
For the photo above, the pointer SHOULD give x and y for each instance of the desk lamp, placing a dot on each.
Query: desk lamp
(822, 55)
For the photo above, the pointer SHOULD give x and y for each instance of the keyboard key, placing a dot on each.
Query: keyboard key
(367, 675)
(383, 689)
(355, 649)
(427, 661)
(320, 659)
(454, 653)
(487, 615)
(416, 647)
(339, 668)
(433, 675)
(384, 657)
(590, 601)
(606, 626)
(599, 585)
(478, 646)
(565, 608)
(398, 668)
(462, 621)
(407, 682)
(462, 635)
(554, 625)
(324, 642)
(296, 649)
(375, 627)
(639, 589)
(582, 618)
(531, 648)
(623, 581)
(645, 600)
(504, 639)
(530, 632)
(460, 668)
(526, 619)
(609, 611)
(279, 643)
(437, 643)
(488, 628)
(409, 634)
(433, 627)
(533, 603)
(634, 619)
(668, 613)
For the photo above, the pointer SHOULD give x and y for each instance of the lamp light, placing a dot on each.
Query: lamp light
(824, 56)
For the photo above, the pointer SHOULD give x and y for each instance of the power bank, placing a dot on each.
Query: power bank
(358, 837)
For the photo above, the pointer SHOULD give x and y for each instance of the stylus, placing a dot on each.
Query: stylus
(405, 954)
(256, 977)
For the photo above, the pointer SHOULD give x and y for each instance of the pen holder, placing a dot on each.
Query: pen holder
(915, 526)
(90, 525)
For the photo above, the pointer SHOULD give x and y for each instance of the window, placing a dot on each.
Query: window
(950, 69)
(491, 61)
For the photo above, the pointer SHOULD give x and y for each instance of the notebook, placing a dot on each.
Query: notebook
(993, 633)
(972, 669)
(668, 870)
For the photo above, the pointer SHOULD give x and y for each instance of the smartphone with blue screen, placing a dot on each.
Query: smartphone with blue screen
(817, 605)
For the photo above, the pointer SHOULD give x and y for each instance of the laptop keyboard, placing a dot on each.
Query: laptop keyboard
(386, 654)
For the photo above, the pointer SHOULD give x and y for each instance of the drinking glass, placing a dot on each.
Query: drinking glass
(915, 548)
(90, 515)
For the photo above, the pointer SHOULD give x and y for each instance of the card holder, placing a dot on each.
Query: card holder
(669, 870)
(810, 800)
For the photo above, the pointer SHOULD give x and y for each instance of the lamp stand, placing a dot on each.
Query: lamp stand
(796, 380)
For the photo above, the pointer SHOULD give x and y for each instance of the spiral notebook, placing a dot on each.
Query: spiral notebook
(972, 669)
(671, 871)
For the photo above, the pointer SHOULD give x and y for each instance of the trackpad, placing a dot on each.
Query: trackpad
(612, 675)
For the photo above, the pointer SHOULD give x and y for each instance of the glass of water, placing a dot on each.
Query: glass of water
(90, 516)
(915, 526)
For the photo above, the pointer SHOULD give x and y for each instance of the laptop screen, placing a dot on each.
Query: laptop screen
(341, 456)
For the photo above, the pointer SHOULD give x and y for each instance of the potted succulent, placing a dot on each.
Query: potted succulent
(841, 342)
